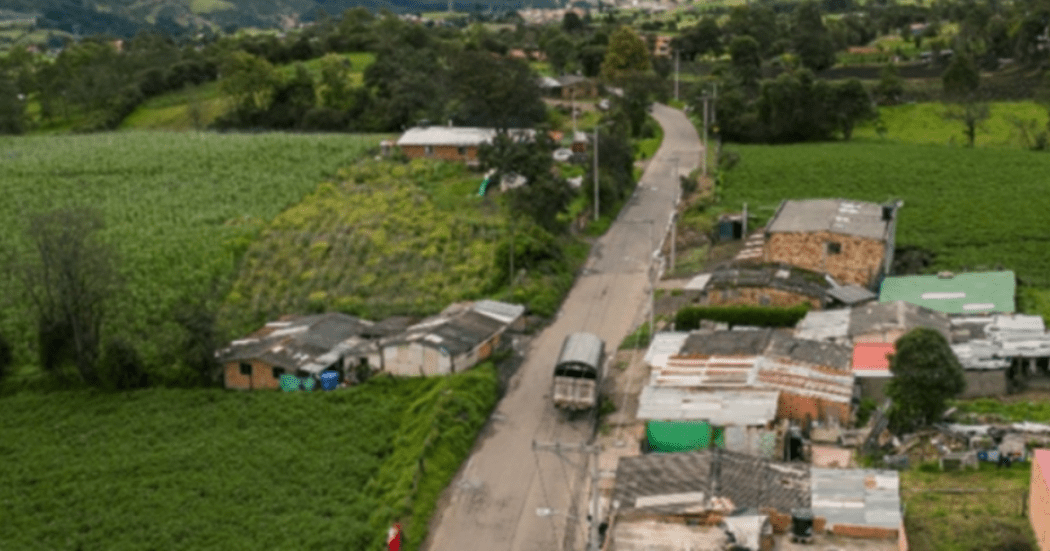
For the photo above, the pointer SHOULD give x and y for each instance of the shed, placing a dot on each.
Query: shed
(965, 293)
(853, 500)
(871, 369)
(730, 227)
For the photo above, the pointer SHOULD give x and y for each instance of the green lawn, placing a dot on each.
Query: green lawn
(970, 207)
(923, 123)
(1011, 411)
(180, 208)
(215, 469)
(938, 521)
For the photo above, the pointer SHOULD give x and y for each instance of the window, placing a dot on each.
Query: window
(834, 248)
(429, 150)
(277, 372)
(462, 151)
(246, 368)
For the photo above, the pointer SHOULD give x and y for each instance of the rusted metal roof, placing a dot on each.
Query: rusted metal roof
(705, 371)
(805, 380)
(297, 342)
(813, 352)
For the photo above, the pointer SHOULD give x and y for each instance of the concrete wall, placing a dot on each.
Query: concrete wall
(754, 296)
(981, 383)
(889, 336)
(1039, 506)
(443, 152)
(417, 360)
(859, 261)
(873, 387)
(261, 376)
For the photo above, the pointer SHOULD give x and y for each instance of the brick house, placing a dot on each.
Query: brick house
(813, 377)
(849, 240)
(303, 346)
(451, 143)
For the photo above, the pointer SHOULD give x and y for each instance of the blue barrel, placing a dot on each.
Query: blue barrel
(329, 380)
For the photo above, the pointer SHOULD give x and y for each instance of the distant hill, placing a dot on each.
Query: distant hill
(125, 17)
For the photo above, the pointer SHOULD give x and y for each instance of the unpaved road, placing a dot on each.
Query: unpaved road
(491, 504)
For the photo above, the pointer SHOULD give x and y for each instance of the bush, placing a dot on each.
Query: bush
(864, 411)
(6, 357)
(763, 316)
(122, 367)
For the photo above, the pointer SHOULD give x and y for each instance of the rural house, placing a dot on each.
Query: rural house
(849, 240)
(451, 143)
(768, 285)
(814, 378)
(453, 341)
(569, 87)
(956, 294)
(302, 346)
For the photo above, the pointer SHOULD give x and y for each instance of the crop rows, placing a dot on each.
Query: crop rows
(180, 208)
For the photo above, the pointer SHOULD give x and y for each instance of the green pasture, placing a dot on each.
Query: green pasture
(924, 123)
(214, 469)
(971, 207)
(180, 208)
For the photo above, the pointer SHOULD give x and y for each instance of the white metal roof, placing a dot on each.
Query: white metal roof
(499, 311)
(446, 135)
(664, 345)
(718, 407)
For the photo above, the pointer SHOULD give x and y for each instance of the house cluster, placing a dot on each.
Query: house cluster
(301, 350)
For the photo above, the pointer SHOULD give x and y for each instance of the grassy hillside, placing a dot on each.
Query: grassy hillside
(970, 207)
(390, 239)
(180, 208)
(174, 110)
(210, 469)
(923, 123)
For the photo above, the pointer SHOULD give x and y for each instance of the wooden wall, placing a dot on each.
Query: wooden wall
(261, 376)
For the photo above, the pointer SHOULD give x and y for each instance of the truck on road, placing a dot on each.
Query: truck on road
(578, 373)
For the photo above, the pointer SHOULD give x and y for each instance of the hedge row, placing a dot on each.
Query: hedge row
(763, 316)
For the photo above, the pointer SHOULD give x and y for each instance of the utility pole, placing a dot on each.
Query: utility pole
(595, 173)
(676, 74)
(593, 451)
(573, 104)
(714, 123)
(706, 150)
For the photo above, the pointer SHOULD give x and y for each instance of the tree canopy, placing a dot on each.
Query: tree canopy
(926, 374)
(626, 55)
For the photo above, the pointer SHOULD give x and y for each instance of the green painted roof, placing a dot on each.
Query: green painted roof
(682, 436)
(968, 293)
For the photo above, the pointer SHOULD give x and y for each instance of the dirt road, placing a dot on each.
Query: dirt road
(491, 504)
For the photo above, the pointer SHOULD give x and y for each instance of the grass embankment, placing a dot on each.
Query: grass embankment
(971, 208)
(988, 518)
(175, 110)
(395, 239)
(1012, 411)
(207, 469)
(924, 123)
(180, 209)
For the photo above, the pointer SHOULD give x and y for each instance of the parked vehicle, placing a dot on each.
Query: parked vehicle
(578, 373)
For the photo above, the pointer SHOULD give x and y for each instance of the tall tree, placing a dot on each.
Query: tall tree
(495, 91)
(334, 86)
(811, 39)
(69, 283)
(926, 374)
(701, 39)
(852, 104)
(961, 78)
(626, 55)
(746, 60)
(12, 107)
(972, 114)
(249, 80)
(891, 86)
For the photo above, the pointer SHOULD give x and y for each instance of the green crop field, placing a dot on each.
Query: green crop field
(970, 207)
(387, 239)
(924, 123)
(181, 209)
(213, 469)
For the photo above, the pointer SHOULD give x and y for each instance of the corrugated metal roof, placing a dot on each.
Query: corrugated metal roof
(698, 283)
(452, 333)
(809, 351)
(500, 311)
(802, 380)
(447, 135)
(718, 407)
(840, 216)
(888, 316)
(830, 325)
(727, 342)
(705, 371)
(851, 294)
(793, 280)
(863, 497)
(979, 354)
(299, 342)
(549, 82)
(664, 345)
(972, 292)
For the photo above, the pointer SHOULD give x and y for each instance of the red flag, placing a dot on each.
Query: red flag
(393, 539)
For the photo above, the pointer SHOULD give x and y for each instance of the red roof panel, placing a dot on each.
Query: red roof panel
(871, 356)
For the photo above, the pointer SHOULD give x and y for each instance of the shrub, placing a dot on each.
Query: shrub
(763, 316)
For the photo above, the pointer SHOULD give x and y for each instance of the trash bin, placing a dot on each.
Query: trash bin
(329, 380)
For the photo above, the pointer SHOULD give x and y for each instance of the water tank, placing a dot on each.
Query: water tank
(801, 524)
(329, 380)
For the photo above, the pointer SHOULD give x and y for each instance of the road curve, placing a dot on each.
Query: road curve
(491, 503)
